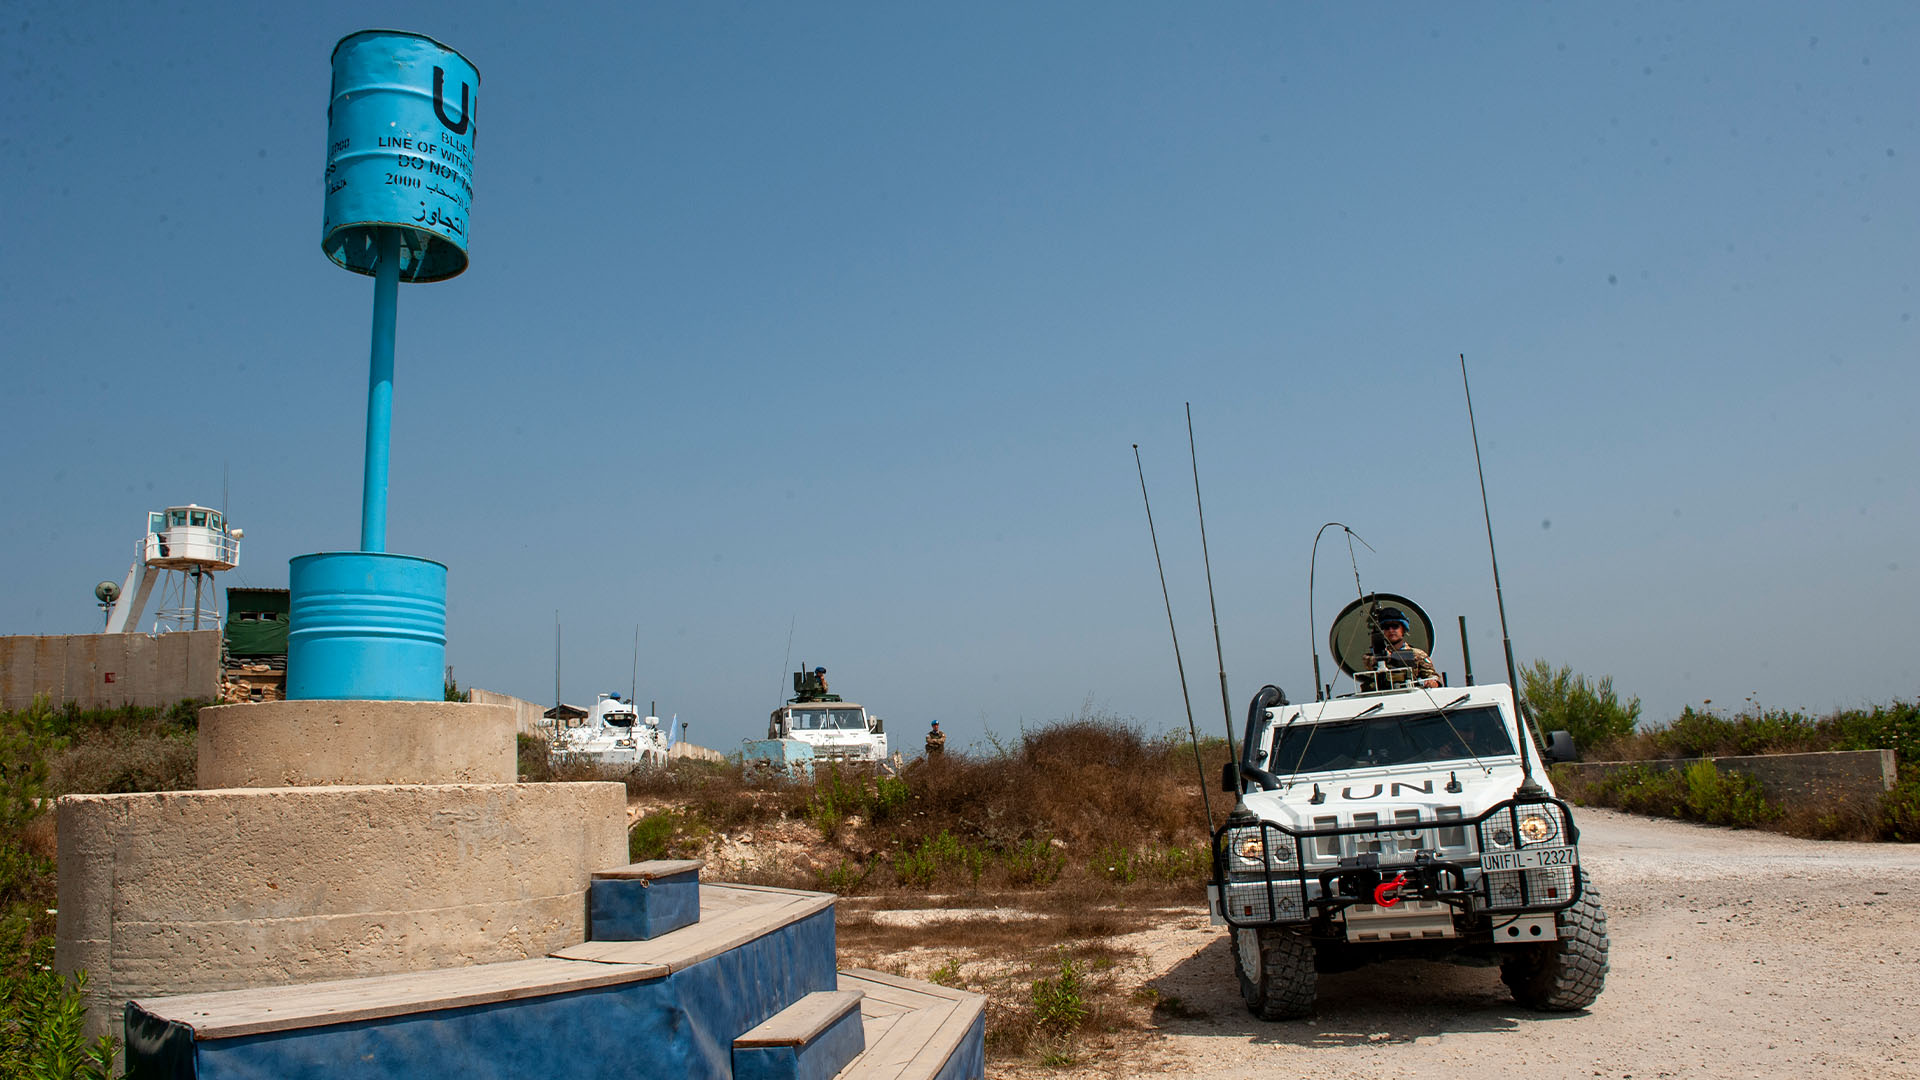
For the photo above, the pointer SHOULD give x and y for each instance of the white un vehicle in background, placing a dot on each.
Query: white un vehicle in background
(1401, 822)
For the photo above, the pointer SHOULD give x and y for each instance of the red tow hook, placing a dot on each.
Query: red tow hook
(1387, 893)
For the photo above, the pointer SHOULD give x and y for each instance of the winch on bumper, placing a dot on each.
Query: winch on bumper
(1497, 877)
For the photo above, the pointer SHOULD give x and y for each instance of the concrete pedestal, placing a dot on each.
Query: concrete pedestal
(308, 743)
(347, 846)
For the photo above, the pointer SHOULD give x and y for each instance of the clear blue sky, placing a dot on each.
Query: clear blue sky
(844, 317)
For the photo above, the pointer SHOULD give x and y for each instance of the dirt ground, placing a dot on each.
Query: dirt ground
(1735, 954)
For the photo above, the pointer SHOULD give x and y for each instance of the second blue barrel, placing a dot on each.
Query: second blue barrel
(367, 626)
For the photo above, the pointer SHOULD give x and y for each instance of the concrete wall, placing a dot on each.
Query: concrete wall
(526, 714)
(110, 670)
(698, 753)
(1835, 776)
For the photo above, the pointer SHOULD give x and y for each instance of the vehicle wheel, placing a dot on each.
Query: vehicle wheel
(1567, 974)
(1276, 972)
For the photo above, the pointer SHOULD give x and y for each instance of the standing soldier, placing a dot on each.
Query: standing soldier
(936, 741)
(1393, 627)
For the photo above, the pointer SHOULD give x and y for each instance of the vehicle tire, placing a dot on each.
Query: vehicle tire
(1276, 972)
(1567, 974)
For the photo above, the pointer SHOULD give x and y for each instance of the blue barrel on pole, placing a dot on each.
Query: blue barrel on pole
(400, 131)
(367, 626)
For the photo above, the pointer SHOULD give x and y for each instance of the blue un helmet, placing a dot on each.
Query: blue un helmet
(1391, 615)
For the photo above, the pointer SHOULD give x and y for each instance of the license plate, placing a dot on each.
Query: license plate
(1529, 858)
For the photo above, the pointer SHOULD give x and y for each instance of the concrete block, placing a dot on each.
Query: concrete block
(315, 743)
(190, 891)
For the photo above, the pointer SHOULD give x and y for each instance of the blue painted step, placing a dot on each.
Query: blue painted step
(812, 1039)
(643, 900)
(671, 1006)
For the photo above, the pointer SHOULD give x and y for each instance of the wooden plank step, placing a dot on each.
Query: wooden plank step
(226, 1014)
(802, 1021)
(908, 1042)
(735, 923)
(650, 870)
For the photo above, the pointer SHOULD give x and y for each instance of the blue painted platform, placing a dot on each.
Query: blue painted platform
(672, 1005)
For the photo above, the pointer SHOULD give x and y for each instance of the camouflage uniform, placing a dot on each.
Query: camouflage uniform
(936, 743)
(1409, 657)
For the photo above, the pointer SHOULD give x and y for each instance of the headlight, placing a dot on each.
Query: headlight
(1501, 836)
(1535, 829)
(1252, 848)
(1542, 824)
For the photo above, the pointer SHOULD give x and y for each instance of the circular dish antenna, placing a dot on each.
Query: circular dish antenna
(106, 592)
(1352, 630)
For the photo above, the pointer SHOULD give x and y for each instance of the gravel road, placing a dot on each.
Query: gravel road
(1735, 954)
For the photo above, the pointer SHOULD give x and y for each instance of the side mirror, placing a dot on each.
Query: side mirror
(879, 726)
(1560, 747)
(1230, 777)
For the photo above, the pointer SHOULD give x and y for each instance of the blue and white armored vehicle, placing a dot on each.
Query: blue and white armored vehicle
(816, 727)
(1403, 820)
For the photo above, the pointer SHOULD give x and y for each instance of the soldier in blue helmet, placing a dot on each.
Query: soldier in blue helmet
(1399, 654)
(820, 677)
(936, 741)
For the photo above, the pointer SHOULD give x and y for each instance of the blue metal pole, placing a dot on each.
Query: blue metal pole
(386, 301)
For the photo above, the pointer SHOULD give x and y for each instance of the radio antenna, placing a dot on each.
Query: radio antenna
(1226, 710)
(1313, 627)
(1528, 785)
(1205, 799)
(792, 621)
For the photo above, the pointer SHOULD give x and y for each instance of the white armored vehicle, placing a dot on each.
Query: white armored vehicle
(1404, 820)
(614, 734)
(815, 726)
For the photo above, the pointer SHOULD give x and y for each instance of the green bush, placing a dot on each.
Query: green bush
(1899, 817)
(1699, 792)
(844, 877)
(42, 1015)
(1034, 862)
(666, 834)
(1563, 701)
(940, 858)
(1060, 1003)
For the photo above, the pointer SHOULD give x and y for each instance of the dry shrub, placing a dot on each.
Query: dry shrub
(112, 763)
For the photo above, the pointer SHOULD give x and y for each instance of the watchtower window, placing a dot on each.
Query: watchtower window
(213, 521)
(199, 519)
(156, 522)
(177, 517)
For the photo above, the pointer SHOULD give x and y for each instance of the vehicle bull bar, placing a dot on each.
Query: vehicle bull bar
(1519, 857)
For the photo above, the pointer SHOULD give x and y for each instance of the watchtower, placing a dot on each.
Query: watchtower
(183, 547)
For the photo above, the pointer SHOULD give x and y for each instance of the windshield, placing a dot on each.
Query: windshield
(1393, 740)
(828, 720)
(617, 719)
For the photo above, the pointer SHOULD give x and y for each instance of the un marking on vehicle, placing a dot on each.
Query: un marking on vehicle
(1529, 858)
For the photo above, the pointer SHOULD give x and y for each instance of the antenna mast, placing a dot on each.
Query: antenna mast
(1528, 785)
(1205, 799)
(1226, 710)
